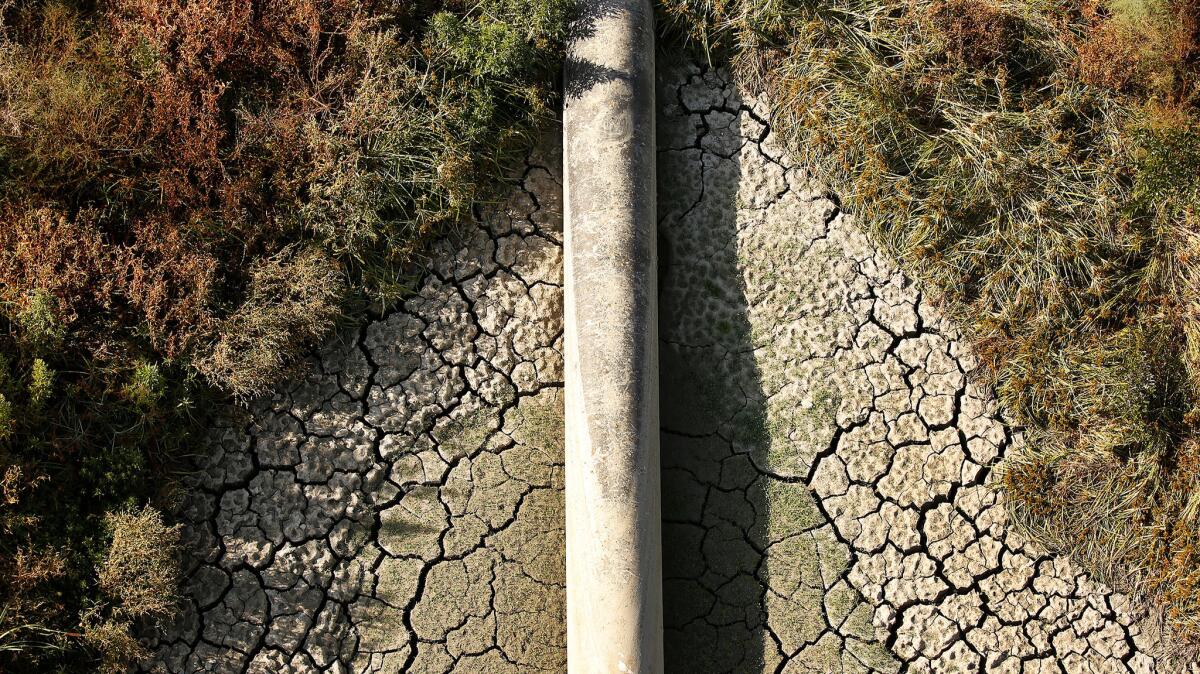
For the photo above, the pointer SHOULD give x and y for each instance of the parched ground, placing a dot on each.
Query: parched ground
(400, 509)
(826, 453)
(826, 460)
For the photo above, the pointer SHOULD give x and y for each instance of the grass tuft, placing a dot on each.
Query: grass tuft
(140, 571)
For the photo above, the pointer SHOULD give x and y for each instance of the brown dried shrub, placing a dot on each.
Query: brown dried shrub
(45, 249)
(188, 51)
(1183, 48)
(67, 111)
(1110, 57)
(171, 280)
(179, 48)
(976, 32)
(1148, 48)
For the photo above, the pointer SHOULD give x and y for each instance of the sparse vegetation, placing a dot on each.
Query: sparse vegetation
(192, 194)
(1036, 163)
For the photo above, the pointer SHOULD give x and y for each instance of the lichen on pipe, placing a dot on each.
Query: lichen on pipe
(614, 568)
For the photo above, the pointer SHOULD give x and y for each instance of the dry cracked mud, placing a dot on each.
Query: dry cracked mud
(827, 459)
(399, 509)
(826, 452)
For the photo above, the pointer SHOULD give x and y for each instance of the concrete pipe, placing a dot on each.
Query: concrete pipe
(614, 568)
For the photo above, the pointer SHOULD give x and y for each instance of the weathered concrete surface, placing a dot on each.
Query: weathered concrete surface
(399, 509)
(614, 609)
(827, 454)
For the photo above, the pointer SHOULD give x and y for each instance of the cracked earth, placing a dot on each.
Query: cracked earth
(827, 454)
(827, 459)
(399, 509)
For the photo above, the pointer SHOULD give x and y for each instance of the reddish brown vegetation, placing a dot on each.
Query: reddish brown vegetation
(43, 249)
(191, 191)
(1151, 53)
(185, 54)
(976, 32)
(154, 136)
(171, 281)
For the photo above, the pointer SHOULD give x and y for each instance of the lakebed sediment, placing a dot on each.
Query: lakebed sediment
(827, 458)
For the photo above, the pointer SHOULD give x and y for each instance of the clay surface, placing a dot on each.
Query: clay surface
(827, 454)
(400, 508)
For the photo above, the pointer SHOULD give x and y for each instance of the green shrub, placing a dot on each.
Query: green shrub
(145, 387)
(504, 41)
(41, 329)
(41, 383)
(1168, 160)
(107, 472)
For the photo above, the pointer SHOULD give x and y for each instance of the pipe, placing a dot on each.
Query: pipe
(614, 562)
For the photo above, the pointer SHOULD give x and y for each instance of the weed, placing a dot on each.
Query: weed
(41, 328)
(6, 417)
(140, 570)
(145, 387)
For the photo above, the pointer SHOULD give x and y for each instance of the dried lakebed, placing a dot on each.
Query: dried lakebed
(826, 459)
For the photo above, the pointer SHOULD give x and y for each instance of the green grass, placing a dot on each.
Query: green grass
(1036, 163)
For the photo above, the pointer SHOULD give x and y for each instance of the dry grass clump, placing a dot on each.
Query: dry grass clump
(1038, 164)
(294, 298)
(140, 569)
(139, 574)
(117, 647)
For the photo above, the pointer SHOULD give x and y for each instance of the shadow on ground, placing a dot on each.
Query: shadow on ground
(754, 330)
(714, 505)
(751, 569)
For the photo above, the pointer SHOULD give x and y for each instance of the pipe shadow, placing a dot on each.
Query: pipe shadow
(713, 410)
(755, 577)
